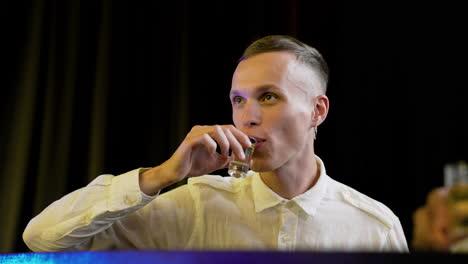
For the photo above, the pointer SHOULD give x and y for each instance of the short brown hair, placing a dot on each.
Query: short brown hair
(304, 53)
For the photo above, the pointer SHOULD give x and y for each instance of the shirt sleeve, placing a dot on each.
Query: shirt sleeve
(396, 240)
(111, 213)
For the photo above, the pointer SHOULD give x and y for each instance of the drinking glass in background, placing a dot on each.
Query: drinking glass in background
(456, 179)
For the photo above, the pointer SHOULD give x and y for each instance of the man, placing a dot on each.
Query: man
(286, 202)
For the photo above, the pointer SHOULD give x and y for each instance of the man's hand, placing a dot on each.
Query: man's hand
(196, 156)
(431, 222)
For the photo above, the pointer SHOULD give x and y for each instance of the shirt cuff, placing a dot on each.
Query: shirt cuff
(125, 191)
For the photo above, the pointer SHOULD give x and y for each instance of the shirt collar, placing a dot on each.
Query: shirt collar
(309, 201)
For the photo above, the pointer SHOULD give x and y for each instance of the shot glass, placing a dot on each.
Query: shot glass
(239, 167)
(457, 180)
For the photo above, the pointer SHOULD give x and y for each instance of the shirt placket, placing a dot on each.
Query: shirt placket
(288, 229)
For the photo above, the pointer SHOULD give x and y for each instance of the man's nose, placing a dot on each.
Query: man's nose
(251, 114)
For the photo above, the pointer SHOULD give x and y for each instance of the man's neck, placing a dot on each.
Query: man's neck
(295, 177)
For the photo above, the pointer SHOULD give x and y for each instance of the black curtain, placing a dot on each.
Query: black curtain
(94, 87)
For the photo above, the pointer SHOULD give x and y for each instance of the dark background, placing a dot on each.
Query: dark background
(93, 87)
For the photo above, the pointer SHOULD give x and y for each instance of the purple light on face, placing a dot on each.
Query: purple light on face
(237, 93)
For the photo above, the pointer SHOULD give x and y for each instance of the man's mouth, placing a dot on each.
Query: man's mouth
(258, 141)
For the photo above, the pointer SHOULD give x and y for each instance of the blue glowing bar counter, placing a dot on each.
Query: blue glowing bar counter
(227, 257)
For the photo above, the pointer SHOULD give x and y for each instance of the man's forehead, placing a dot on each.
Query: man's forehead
(274, 69)
(269, 67)
(256, 89)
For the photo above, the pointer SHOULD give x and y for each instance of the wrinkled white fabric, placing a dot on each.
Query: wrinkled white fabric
(213, 212)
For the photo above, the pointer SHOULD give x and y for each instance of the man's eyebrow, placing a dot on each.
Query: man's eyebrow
(258, 89)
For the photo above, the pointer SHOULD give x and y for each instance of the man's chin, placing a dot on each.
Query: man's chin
(259, 166)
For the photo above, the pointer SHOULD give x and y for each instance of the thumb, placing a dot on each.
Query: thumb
(225, 162)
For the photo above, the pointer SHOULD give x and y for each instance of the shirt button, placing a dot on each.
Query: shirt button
(128, 200)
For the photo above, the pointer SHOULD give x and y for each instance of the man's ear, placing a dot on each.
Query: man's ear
(321, 105)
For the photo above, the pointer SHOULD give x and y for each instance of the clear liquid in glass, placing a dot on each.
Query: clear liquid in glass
(237, 167)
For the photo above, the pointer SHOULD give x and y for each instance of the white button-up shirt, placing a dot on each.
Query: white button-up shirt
(213, 212)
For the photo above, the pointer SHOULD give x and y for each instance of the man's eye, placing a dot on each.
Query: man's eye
(269, 97)
(237, 100)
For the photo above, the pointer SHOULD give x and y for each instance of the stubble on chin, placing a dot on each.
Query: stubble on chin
(263, 164)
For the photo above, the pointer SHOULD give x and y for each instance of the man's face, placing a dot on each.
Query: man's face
(272, 100)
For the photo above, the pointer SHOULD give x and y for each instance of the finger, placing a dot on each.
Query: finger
(209, 143)
(240, 136)
(422, 229)
(437, 197)
(221, 139)
(236, 147)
